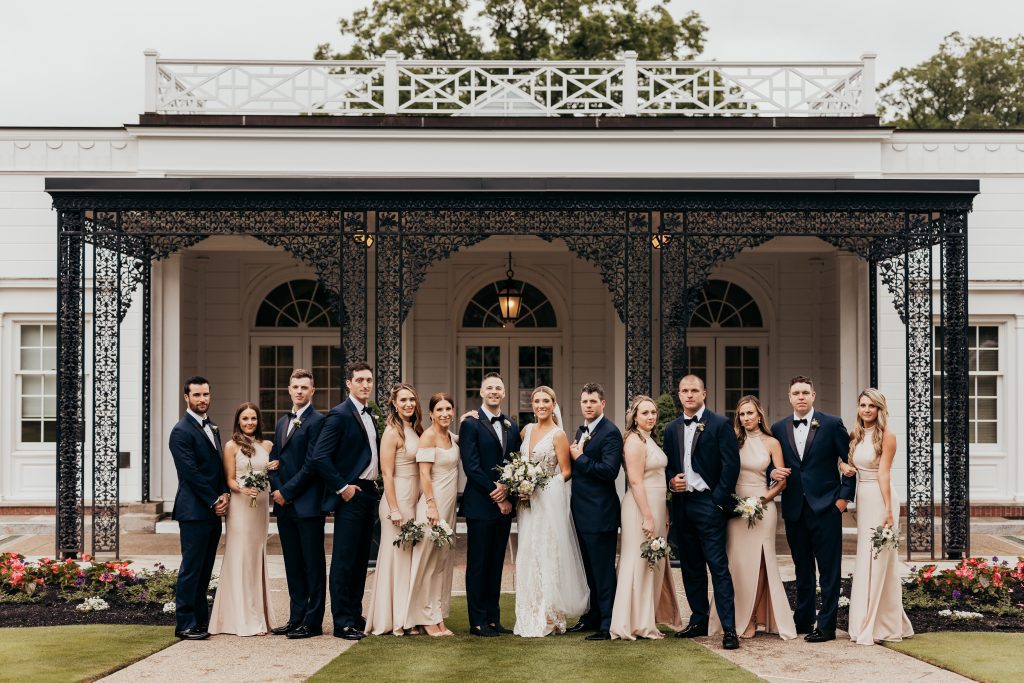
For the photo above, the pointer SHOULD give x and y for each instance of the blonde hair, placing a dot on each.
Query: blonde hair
(762, 419)
(554, 399)
(634, 408)
(395, 420)
(877, 399)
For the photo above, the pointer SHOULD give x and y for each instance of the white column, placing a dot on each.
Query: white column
(391, 82)
(630, 92)
(150, 80)
(168, 405)
(869, 106)
(854, 332)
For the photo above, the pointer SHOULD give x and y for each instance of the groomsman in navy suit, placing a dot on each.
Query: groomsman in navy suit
(199, 504)
(345, 457)
(816, 497)
(484, 444)
(597, 458)
(703, 465)
(297, 495)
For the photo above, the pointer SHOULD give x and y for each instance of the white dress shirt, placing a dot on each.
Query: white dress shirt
(496, 426)
(370, 473)
(800, 432)
(206, 428)
(591, 426)
(298, 416)
(694, 482)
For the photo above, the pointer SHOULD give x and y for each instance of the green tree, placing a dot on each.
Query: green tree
(518, 29)
(972, 82)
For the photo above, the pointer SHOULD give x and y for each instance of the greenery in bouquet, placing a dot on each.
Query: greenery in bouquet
(522, 477)
(655, 550)
(750, 509)
(883, 537)
(409, 534)
(442, 535)
(255, 479)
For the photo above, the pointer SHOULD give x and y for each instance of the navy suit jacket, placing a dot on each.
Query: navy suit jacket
(595, 500)
(715, 457)
(816, 478)
(481, 453)
(294, 477)
(200, 471)
(341, 453)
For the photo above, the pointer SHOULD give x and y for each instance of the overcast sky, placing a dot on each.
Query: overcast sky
(80, 63)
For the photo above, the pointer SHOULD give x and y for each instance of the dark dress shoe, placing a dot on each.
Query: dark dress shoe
(820, 636)
(483, 632)
(599, 635)
(803, 629)
(730, 641)
(580, 626)
(349, 633)
(360, 623)
(285, 630)
(192, 634)
(500, 629)
(303, 632)
(693, 631)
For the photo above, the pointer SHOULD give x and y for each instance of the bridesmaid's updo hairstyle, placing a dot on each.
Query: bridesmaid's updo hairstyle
(437, 398)
(554, 399)
(395, 420)
(877, 399)
(634, 408)
(245, 442)
(762, 419)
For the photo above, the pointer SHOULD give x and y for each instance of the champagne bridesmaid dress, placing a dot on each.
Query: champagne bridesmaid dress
(432, 567)
(242, 605)
(748, 547)
(876, 599)
(390, 598)
(644, 597)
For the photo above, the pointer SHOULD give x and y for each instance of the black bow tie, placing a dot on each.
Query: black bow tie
(365, 410)
(689, 420)
(293, 416)
(585, 429)
(797, 423)
(495, 419)
(207, 422)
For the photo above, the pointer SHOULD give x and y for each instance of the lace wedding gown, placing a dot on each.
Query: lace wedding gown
(550, 582)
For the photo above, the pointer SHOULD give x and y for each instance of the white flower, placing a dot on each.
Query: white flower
(169, 608)
(844, 601)
(209, 598)
(959, 614)
(508, 425)
(526, 487)
(93, 605)
(214, 582)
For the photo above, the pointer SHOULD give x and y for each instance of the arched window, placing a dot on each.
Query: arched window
(298, 303)
(724, 304)
(483, 309)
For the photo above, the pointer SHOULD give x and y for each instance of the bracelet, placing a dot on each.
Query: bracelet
(430, 500)
(394, 510)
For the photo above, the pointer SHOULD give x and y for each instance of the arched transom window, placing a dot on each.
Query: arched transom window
(298, 303)
(724, 304)
(483, 309)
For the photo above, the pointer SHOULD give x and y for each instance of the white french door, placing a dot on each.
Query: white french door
(731, 366)
(524, 363)
(272, 359)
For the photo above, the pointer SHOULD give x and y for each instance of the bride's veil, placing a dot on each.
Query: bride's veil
(558, 416)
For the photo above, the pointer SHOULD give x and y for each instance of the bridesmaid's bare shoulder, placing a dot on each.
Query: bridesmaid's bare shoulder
(428, 439)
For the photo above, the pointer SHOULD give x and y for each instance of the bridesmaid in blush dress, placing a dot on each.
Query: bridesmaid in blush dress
(644, 597)
(876, 598)
(761, 601)
(242, 605)
(432, 567)
(390, 598)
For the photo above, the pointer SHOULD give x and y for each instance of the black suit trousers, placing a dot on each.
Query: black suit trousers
(598, 553)
(302, 545)
(486, 541)
(199, 540)
(353, 535)
(816, 537)
(700, 533)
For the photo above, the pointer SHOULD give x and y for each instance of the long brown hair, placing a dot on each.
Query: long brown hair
(762, 426)
(877, 399)
(395, 420)
(245, 443)
(634, 408)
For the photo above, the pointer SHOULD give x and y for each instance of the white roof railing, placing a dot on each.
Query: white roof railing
(623, 87)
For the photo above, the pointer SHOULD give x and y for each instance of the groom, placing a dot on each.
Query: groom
(485, 444)
(813, 505)
(597, 458)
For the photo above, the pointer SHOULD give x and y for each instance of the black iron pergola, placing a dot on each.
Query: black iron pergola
(906, 230)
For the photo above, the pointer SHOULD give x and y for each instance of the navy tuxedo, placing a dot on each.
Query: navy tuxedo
(595, 514)
(482, 452)
(300, 523)
(341, 454)
(201, 482)
(699, 517)
(814, 525)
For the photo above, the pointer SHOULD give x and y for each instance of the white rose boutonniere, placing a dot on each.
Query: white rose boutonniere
(814, 423)
(700, 426)
(586, 438)
(508, 425)
(215, 428)
(297, 422)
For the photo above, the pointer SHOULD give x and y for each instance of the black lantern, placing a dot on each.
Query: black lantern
(510, 296)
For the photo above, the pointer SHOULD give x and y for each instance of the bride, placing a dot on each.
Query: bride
(551, 585)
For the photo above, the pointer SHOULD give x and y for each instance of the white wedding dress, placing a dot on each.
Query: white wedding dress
(550, 582)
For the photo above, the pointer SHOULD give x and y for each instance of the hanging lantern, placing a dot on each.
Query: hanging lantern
(510, 296)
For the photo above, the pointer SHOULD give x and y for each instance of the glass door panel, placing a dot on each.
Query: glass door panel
(535, 367)
(730, 368)
(478, 359)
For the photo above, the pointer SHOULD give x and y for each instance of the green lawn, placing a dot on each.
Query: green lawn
(565, 658)
(987, 657)
(76, 653)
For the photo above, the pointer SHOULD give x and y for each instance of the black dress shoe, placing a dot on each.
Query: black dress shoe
(360, 623)
(730, 641)
(349, 633)
(286, 629)
(500, 629)
(304, 632)
(580, 626)
(483, 632)
(820, 636)
(802, 629)
(693, 631)
(599, 635)
(192, 634)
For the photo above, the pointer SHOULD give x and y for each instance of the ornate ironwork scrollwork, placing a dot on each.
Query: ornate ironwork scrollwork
(106, 337)
(917, 301)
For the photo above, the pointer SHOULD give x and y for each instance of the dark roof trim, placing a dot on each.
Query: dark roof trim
(732, 185)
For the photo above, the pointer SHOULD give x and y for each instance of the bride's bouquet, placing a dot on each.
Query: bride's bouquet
(522, 477)
(655, 550)
(255, 479)
(442, 535)
(750, 509)
(409, 534)
(883, 537)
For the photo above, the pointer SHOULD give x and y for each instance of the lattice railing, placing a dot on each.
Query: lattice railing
(624, 87)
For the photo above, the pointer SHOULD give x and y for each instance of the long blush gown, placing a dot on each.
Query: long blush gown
(242, 605)
(432, 567)
(747, 547)
(876, 598)
(390, 598)
(644, 597)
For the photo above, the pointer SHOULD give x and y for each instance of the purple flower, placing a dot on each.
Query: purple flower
(995, 559)
(79, 581)
(956, 594)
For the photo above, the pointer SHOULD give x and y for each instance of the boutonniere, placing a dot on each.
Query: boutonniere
(508, 425)
(215, 428)
(815, 424)
(700, 426)
(586, 438)
(297, 422)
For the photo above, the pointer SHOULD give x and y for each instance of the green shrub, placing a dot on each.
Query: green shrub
(666, 413)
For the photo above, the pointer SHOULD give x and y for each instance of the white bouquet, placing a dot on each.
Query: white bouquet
(883, 537)
(522, 477)
(442, 535)
(655, 550)
(409, 534)
(750, 509)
